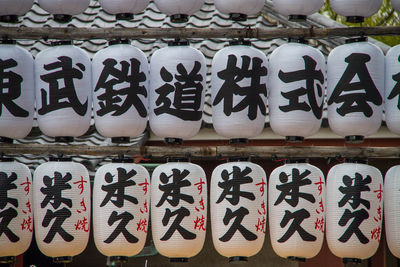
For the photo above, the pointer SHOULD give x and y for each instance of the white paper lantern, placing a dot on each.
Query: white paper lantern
(396, 5)
(356, 74)
(296, 210)
(354, 210)
(239, 10)
(121, 204)
(177, 89)
(297, 88)
(298, 10)
(11, 9)
(124, 9)
(392, 89)
(356, 10)
(392, 211)
(239, 91)
(63, 10)
(179, 10)
(61, 204)
(63, 90)
(16, 216)
(238, 203)
(178, 210)
(17, 97)
(120, 85)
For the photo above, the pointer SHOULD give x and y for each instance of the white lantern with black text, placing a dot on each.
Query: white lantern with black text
(121, 204)
(120, 85)
(178, 210)
(177, 89)
(354, 210)
(239, 91)
(61, 197)
(356, 72)
(63, 90)
(296, 210)
(16, 93)
(356, 10)
(298, 10)
(297, 89)
(16, 214)
(392, 209)
(63, 10)
(392, 89)
(396, 5)
(239, 10)
(11, 9)
(238, 203)
(179, 10)
(124, 9)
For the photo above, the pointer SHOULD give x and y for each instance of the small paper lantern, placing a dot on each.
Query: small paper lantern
(354, 210)
(356, 10)
(121, 204)
(124, 9)
(179, 10)
(296, 210)
(63, 10)
(17, 97)
(356, 72)
(120, 84)
(239, 10)
(238, 203)
(63, 90)
(11, 9)
(396, 5)
(61, 199)
(297, 88)
(16, 216)
(177, 88)
(178, 210)
(239, 91)
(298, 10)
(392, 89)
(392, 211)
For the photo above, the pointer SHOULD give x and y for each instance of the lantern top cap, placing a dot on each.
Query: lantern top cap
(300, 40)
(118, 41)
(60, 159)
(8, 41)
(63, 42)
(356, 160)
(240, 42)
(178, 42)
(356, 40)
(122, 160)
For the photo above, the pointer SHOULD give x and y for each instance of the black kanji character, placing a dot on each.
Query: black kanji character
(359, 216)
(396, 89)
(60, 216)
(124, 219)
(53, 190)
(239, 215)
(6, 183)
(353, 189)
(179, 215)
(7, 216)
(298, 217)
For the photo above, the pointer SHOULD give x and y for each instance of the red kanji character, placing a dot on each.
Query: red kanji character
(145, 210)
(320, 225)
(27, 224)
(142, 225)
(263, 212)
(379, 191)
(200, 186)
(83, 205)
(144, 186)
(262, 188)
(201, 202)
(379, 210)
(28, 205)
(27, 185)
(319, 184)
(376, 234)
(321, 207)
(82, 225)
(260, 226)
(81, 183)
(200, 223)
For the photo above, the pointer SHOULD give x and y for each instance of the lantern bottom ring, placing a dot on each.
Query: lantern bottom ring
(238, 17)
(6, 139)
(294, 139)
(238, 259)
(179, 18)
(355, 19)
(62, 18)
(7, 259)
(64, 259)
(173, 141)
(177, 260)
(351, 260)
(118, 259)
(120, 140)
(293, 258)
(354, 139)
(124, 16)
(238, 141)
(9, 18)
(64, 139)
(297, 17)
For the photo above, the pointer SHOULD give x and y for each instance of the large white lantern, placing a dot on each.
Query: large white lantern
(297, 88)
(17, 95)
(61, 204)
(238, 203)
(354, 210)
(296, 202)
(179, 10)
(11, 9)
(63, 90)
(356, 72)
(356, 10)
(178, 210)
(16, 215)
(124, 9)
(392, 89)
(121, 204)
(177, 89)
(298, 10)
(392, 211)
(120, 85)
(239, 91)
(396, 5)
(63, 10)
(239, 10)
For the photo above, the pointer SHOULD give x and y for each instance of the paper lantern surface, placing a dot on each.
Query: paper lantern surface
(392, 210)
(298, 8)
(15, 7)
(64, 7)
(356, 8)
(392, 89)
(124, 6)
(61, 197)
(250, 7)
(16, 224)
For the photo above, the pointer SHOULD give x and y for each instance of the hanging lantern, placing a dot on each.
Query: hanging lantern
(396, 5)
(354, 210)
(239, 10)
(177, 89)
(297, 89)
(238, 202)
(298, 10)
(356, 10)
(121, 203)
(124, 9)
(120, 84)
(392, 211)
(17, 95)
(63, 10)
(392, 89)
(239, 91)
(296, 210)
(179, 10)
(16, 216)
(11, 9)
(178, 210)
(63, 91)
(61, 197)
(356, 72)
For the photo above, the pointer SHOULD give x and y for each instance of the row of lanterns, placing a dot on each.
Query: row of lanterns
(57, 205)
(179, 10)
(170, 91)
